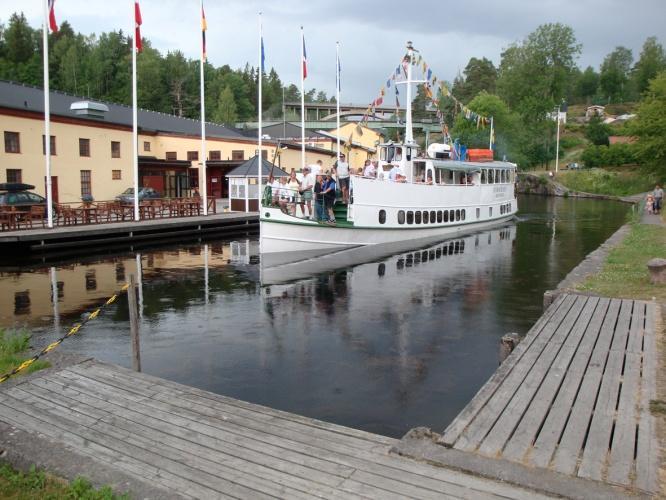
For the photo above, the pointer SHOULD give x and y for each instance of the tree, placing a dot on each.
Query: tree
(597, 131)
(650, 127)
(651, 62)
(321, 97)
(587, 85)
(226, 108)
(19, 40)
(480, 75)
(614, 75)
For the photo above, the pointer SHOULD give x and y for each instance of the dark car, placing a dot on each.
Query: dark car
(145, 193)
(17, 195)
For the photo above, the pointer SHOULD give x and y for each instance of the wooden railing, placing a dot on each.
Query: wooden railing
(68, 214)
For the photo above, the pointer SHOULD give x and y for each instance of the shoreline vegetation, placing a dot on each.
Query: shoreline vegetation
(14, 349)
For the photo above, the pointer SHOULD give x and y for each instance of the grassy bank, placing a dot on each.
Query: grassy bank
(13, 351)
(35, 484)
(625, 272)
(622, 182)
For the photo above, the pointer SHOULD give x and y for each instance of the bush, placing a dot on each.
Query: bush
(609, 156)
(570, 142)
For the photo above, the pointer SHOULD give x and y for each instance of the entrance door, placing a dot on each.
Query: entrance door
(54, 188)
(215, 186)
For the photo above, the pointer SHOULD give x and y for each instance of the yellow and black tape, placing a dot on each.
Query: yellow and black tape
(72, 331)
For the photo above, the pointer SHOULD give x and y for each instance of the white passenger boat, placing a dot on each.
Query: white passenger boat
(439, 197)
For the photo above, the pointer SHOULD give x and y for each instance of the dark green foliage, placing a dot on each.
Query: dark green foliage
(609, 156)
(479, 75)
(614, 77)
(650, 63)
(597, 131)
(650, 127)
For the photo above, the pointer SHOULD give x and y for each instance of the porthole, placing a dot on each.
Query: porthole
(501, 209)
(401, 217)
(417, 217)
(267, 215)
(462, 214)
(446, 216)
(410, 217)
(382, 216)
(439, 216)
(457, 215)
(426, 217)
(451, 215)
(432, 216)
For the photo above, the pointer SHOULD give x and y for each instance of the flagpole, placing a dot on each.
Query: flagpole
(135, 140)
(47, 119)
(492, 132)
(204, 183)
(337, 94)
(302, 101)
(260, 159)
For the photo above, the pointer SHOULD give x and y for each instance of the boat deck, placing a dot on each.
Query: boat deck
(128, 429)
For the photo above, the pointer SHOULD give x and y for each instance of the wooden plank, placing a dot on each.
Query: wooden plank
(471, 438)
(478, 402)
(647, 456)
(566, 455)
(143, 471)
(544, 447)
(597, 445)
(150, 386)
(526, 432)
(519, 401)
(379, 464)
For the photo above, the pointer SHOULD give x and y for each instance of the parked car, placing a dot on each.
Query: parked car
(145, 193)
(573, 166)
(18, 195)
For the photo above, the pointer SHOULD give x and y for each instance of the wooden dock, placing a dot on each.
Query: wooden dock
(573, 398)
(105, 235)
(162, 439)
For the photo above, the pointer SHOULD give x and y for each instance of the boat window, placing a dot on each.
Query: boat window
(462, 214)
(410, 217)
(426, 219)
(478, 213)
(490, 211)
(401, 217)
(457, 214)
(501, 209)
(432, 216)
(439, 216)
(408, 153)
(484, 178)
(452, 215)
(398, 154)
(382, 216)
(491, 176)
(446, 216)
(417, 217)
(382, 154)
(503, 175)
(447, 177)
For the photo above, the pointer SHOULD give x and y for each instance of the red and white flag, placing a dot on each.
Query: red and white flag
(52, 20)
(137, 25)
(305, 61)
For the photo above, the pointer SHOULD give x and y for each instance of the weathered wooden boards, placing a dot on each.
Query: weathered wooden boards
(574, 395)
(197, 444)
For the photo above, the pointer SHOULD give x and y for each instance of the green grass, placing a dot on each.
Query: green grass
(14, 350)
(623, 182)
(625, 273)
(34, 484)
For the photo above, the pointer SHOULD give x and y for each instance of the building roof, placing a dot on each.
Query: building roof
(26, 98)
(249, 169)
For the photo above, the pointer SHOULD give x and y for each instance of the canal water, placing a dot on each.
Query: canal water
(382, 342)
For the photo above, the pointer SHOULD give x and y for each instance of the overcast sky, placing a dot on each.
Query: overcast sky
(372, 34)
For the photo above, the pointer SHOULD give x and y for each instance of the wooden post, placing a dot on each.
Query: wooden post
(507, 344)
(134, 324)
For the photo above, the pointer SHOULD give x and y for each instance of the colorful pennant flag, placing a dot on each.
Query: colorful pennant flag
(137, 26)
(52, 20)
(305, 61)
(204, 27)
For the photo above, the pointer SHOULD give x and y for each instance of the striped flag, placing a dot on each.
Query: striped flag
(204, 27)
(305, 61)
(137, 25)
(52, 20)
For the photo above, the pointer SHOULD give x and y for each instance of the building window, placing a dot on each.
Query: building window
(84, 147)
(401, 216)
(52, 145)
(14, 175)
(382, 216)
(116, 175)
(86, 184)
(410, 217)
(192, 155)
(146, 146)
(215, 155)
(171, 155)
(238, 155)
(115, 149)
(12, 142)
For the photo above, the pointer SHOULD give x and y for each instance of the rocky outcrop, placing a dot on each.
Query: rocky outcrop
(539, 184)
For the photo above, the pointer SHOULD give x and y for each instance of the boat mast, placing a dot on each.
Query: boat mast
(409, 136)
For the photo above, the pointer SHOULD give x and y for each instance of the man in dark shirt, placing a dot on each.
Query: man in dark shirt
(319, 197)
(329, 197)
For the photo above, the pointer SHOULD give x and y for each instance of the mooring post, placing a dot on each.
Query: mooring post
(134, 324)
(507, 344)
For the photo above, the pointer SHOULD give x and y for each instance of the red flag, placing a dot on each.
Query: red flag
(52, 20)
(204, 27)
(305, 61)
(137, 24)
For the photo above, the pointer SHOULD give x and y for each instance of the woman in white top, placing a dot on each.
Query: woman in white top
(306, 192)
(293, 188)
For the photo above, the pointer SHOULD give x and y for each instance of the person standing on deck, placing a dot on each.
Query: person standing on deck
(329, 197)
(342, 169)
(658, 194)
(306, 192)
(319, 197)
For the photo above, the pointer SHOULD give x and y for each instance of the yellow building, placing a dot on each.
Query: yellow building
(91, 147)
